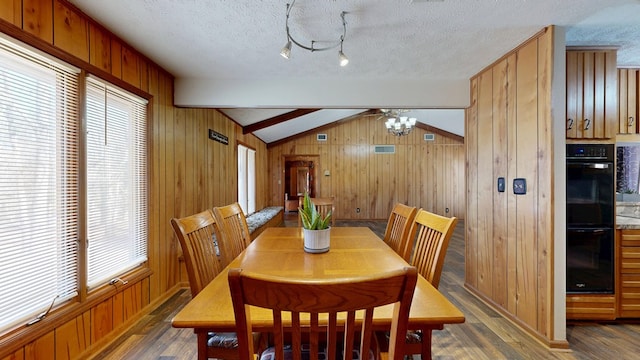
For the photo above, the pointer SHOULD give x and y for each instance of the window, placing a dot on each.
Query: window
(38, 183)
(43, 212)
(116, 182)
(247, 179)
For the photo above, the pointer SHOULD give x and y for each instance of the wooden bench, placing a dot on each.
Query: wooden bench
(268, 217)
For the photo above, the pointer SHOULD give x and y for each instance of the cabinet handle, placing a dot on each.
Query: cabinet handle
(587, 122)
(570, 121)
(631, 120)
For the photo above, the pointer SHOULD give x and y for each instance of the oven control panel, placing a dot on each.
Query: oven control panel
(590, 151)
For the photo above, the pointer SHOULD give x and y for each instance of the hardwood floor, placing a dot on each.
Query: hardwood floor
(484, 335)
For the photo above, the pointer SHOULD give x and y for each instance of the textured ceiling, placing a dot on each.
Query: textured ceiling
(414, 54)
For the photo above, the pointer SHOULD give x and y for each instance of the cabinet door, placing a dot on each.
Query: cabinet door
(588, 95)
(572, 94)
(628, 101)
(592, 95)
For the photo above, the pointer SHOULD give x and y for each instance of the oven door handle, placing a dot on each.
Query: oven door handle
(592, 231)
(590, 165)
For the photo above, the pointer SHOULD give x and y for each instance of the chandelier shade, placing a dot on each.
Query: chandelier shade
(286, 50)
(397, 124)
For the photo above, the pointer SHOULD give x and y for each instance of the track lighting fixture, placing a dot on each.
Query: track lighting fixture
(286, 50)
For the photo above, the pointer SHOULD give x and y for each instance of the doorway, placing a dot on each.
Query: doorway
(299, 178)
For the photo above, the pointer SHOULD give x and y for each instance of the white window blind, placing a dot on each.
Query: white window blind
(251, 181)
(116, 182)
(242, 178)
(38, 183)
(247, 179)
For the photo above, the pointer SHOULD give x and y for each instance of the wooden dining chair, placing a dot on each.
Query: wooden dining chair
(199, 238)
(432, 234)
(397, 231)
(330, 307)
(233, 229)
(323, 206)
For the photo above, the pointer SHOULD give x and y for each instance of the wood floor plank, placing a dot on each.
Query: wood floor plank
(484, 335)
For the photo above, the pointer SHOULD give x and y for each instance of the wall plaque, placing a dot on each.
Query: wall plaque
(216, 136)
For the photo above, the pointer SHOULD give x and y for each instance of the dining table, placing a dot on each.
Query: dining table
(280, 251)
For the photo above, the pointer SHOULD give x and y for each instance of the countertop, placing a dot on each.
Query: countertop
(627, 215)
(627, 222)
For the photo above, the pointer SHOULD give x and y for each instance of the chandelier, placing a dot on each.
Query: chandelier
(286, 50)
(397, 123)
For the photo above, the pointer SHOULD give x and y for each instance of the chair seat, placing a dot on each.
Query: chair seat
(270, 353)
(223, 340)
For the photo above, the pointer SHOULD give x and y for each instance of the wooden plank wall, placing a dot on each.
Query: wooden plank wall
(188, 173)
(427, 174)
(509, 237)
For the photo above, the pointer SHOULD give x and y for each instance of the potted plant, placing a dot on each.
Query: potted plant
(316, 229)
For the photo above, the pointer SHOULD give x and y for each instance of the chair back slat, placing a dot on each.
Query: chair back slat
(198, 236)
(323, 206)
(398, 226)
(330, 307)
(432, 234)
(233, 229)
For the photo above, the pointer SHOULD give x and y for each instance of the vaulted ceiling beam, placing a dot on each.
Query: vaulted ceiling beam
(276, 120)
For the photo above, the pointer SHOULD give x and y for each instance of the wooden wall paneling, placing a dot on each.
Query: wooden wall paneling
(572, 94)
(101, 320)
(144, 75)
(11, 11)
(155, 181)
(623, 120)
(118, 309)
(116, 58)
(16, 355)
(73, 337)
(100, 49)
(71, 31)
(588, 97)
(42, 348)
(512, 171)
(132, 301)
(544, 189)
(37, 18)
(526, 157)
(500, 167)
(181, 183)
(209, 172)
(130, 66)
(168, 243)
(485, 182)
(471, 186)
(199, 143)
(191, 160)
(599, 118)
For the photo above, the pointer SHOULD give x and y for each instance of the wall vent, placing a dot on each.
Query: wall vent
(384, 149)
(429, 137)
(321, 137)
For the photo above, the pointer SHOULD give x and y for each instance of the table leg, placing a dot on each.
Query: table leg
(426, 344)
(202, 345)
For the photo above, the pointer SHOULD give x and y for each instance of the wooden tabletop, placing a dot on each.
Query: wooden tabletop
(279, 251)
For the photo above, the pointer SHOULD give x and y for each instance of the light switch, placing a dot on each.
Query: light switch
(501, 184)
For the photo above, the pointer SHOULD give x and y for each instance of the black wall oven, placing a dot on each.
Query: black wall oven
(590, 218)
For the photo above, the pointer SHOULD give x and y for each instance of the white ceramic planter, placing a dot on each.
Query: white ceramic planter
(316, 241)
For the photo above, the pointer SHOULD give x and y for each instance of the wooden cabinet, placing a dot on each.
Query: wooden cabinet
(628, 279)
(592, 100)
(628, 101)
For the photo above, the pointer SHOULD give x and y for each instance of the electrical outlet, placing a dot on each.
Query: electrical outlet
(358, 210)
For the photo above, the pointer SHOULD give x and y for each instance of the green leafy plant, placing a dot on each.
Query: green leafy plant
(311, 218)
